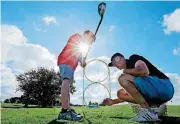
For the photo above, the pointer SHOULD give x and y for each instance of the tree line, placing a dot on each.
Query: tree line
(40, 87)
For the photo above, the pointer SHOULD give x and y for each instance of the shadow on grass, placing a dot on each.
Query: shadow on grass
(82, 121)
(169, 120)
(120, 117)
(55, 122)
(14, 107)
(164, 120)
(18, 107)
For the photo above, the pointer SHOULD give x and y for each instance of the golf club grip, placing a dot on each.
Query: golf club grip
(99, 25)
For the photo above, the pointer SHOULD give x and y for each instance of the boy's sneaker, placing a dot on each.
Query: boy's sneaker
(69, 116)
(145, 115)
(72, 110)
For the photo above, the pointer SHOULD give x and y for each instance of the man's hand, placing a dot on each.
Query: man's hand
(108, 102)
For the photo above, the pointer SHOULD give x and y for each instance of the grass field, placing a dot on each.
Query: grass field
(15, 114)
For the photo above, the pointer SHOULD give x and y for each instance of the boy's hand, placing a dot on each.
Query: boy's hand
(90, 36)
(93, 37)
(83, 65)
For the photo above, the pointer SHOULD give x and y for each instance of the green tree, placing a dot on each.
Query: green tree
(7, 101)
(40, 85)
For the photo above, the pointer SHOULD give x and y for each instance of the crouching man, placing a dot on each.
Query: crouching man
(142, 84)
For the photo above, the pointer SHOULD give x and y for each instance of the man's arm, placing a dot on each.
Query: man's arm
(140, 69)
(110, 102)
(116, 101)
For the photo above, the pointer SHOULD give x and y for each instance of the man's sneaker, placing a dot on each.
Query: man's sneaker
(160, 110)
(145, 115)
(69, 116)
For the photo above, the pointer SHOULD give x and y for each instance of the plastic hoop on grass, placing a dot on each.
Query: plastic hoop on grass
(99, 76)
(97, 93)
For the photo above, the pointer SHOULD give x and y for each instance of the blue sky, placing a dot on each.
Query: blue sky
(127, 27)
(137, 27)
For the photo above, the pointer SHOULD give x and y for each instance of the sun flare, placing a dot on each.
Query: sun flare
(83, 47)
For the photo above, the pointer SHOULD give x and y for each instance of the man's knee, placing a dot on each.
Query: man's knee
(122, 80)
(120, 93)
(125, 79)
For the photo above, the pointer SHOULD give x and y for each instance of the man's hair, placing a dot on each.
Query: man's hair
(115, 55)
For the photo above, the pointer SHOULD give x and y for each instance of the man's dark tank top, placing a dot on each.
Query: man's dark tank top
(153, 71)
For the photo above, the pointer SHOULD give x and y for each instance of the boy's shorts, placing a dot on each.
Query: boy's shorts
(66, 71)
(155, 90)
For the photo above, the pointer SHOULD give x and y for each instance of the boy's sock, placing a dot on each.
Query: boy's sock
(64, 110)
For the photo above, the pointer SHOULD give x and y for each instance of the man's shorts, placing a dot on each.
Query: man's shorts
(154, 90)
(66, 71)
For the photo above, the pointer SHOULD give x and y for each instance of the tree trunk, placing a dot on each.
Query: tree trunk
(26, 103)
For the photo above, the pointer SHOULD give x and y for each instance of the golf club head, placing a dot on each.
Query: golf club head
(101, 8)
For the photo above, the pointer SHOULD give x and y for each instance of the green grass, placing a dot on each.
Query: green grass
(103, 115)
(174, 110)
(14, 105)
(9, 105)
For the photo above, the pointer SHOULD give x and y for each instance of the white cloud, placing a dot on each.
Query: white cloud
(49, 19)
(175, 79)
(95, 70)
(37, 26)
(94, 93)
(172, 22)
(8, 83)
(111, 28)
(115, 76)
(78, 73)
(7, 76)
(19, 55)
(12, 35)
(22, 54)
(176, 51)
(77, 97)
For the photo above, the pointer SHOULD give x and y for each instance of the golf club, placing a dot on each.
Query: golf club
(101, 10)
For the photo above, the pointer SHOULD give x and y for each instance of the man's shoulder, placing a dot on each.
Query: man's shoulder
(133, 56)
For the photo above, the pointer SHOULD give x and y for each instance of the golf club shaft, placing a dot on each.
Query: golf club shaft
(99, 25)
(95, 35)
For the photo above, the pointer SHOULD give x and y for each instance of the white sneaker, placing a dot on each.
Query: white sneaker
(160, 110)
(145, 115)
